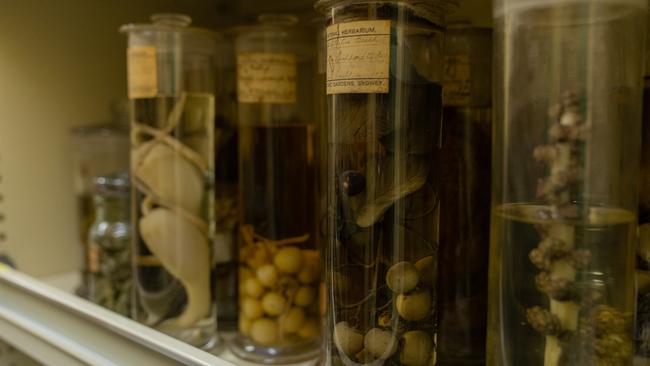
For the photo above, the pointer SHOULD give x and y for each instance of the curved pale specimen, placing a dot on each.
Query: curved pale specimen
(184, 251)
(169, 175)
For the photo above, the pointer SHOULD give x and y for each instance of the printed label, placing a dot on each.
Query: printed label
(457, 87)
(266, 78)
(358, 57)
(142, 71)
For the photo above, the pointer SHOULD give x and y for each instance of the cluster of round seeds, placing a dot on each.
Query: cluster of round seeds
(279, 294)
(398, 339)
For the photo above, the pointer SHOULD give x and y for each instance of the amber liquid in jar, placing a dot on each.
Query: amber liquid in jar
(279, 261)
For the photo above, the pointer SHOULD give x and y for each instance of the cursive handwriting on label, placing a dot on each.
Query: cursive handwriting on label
(358, 57)
(266, 78)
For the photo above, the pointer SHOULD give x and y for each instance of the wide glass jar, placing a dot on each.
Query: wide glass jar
(110, 281)
(279, 320)
(384, 91)
(465, 161)
(568, 78)
(171, 85)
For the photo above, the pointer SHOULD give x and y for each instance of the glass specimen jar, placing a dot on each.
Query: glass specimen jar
(96, 150)
(643, 250)
(110, 281)
(171, 84)
(384, 91)
(225, 182)
(279, 320)
(568, 79)
(465, 160)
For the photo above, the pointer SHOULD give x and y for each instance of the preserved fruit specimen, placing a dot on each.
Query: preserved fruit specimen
(279, 275)
(384, 77)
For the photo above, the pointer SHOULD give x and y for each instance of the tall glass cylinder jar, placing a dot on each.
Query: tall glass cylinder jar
(279, 265)
(568, 80)
(384, 90)
(171, 88)
(465, 162)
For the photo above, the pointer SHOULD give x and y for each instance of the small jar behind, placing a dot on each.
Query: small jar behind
(279, 265)
(110, 276)
(96, 151)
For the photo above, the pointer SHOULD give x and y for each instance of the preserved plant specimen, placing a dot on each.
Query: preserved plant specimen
(171, 87)
(279, 320)
(565, 181)
(464, 196)
(384, 77)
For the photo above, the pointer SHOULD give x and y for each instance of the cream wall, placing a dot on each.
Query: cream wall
(61, 62)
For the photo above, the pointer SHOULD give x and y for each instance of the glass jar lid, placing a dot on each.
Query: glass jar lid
(112, 184)
(195, 40)
(274, 33)
(502, 7)
(432, 10)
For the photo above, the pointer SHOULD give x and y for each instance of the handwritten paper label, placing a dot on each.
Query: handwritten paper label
(358, 57)
(142, 71)
(457, 89)
(266, 78)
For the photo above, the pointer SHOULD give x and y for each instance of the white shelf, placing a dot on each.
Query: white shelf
(57, 328)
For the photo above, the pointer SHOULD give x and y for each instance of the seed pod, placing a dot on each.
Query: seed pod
(427, 270)
(267, 275)
(253, 288)
(273, 303)
(288, 260)
(304, 296)
(402, 277)
(264, 331)
(414, 306)
(252, 308)
(347, 339)
(417, 347)
(380, 343)
(292, 320)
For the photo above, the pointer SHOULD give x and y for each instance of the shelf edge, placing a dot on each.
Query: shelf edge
(52, 326)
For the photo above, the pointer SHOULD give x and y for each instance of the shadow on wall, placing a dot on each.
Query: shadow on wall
(62, 63)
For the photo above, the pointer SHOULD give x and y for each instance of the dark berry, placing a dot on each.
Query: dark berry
(353, 182)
